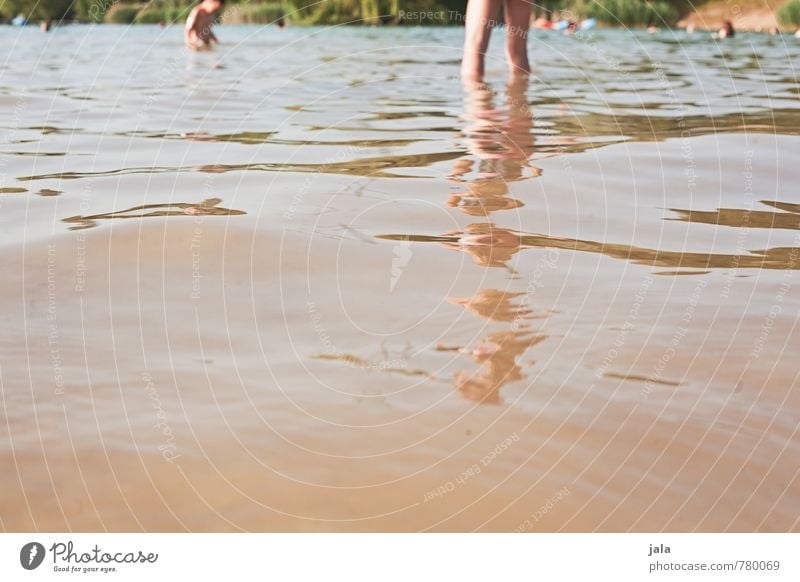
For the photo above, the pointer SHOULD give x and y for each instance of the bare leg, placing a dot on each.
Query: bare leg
(518, 22)
(481, 16)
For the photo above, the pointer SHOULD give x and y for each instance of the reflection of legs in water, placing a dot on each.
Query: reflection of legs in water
(496, 305)
(489, 245)
(497, 356)
(499, 133)
(498, 352)
(502, 140)
(484, 197)
(481, 17)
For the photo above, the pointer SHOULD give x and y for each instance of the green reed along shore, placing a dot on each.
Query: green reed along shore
(370, 12)
(789, 13)
(363, 12)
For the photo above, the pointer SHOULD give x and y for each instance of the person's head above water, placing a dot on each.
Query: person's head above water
(727, 30)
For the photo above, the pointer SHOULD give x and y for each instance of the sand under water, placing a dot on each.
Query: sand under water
(309, 283)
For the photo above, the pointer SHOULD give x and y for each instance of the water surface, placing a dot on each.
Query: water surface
(310, 282)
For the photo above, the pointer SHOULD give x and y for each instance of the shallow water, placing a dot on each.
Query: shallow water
(309, 282)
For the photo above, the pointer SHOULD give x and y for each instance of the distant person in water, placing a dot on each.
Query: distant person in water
(727, 30)
(46, 24)
(198, 34)
(482, 16)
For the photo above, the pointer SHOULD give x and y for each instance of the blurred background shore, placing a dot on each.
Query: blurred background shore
(747, 15)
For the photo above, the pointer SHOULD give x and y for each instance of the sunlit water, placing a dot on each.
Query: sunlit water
(309, 282)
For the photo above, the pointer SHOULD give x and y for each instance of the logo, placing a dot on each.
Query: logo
(31, 555)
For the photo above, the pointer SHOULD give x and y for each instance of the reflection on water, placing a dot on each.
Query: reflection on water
(501, 140)
(207, 207)
(498, 352)
(746, 218)
(491, 246)
(628, 388)
(373, 167)
(640, 378)
(263, 138)
(645, 127)
(497, 305)
(497, 356)
(358, 362)
(42, 154)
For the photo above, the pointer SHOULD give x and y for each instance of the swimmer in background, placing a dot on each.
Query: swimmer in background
(727, 30)
(198, 34)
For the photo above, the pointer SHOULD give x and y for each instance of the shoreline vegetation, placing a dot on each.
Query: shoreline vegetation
(754, 15)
